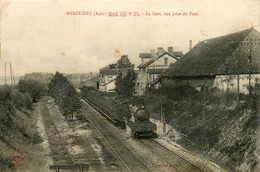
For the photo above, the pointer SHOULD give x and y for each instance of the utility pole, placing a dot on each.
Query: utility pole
(250, 66)
(11, 76)
(238, 76)
(164, 125)
(161, 113)
(5, 73)
(11, 72)
(251, 43)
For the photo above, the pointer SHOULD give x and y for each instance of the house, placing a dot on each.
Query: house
(152, 65)
(107, 80)
(93, 82)
(223, 62)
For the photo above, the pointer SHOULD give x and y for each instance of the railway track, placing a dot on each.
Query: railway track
(105, 113)
(128, 158)
(172, 159)
(174, 153)
(175, 160)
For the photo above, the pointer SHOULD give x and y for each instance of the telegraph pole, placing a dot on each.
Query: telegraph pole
(238, 77)
(250, 66)
(12, 72)
(12, 78)
(5, 73)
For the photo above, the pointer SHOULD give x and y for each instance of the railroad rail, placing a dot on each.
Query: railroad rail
(172, 152)
(175, 160)
(105, 113)
(128, 158)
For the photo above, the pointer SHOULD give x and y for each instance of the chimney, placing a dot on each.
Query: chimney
(190, 45)
(160, 50)
(142, 58)
(152, 51)
(170, 50)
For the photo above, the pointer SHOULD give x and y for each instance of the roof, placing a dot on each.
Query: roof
(208, 56)
(146, 55)
(177, 53)
(152, 55)
(103, 84)
(156, 71)
(154, 59)
(105, 72)
(94, 79)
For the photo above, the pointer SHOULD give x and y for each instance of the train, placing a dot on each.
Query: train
(142, 127)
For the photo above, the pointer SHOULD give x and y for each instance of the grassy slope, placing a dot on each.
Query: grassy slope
(213, 125)
(22, 142)
(18, 137)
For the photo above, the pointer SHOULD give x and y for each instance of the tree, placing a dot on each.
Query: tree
(124, 62)
(64, 94)
(130, 82)
(125, 80)
(119, 82)
(125, 85)
(112, 66)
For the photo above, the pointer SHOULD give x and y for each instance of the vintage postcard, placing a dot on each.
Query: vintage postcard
(119, 85)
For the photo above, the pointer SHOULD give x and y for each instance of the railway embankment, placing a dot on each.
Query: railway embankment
(167, 138)
(20, 141)
(147, 156)
(215, 125)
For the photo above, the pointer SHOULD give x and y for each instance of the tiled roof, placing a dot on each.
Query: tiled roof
(146, 55)
(208, 57)
(154, 59)
(94, 79)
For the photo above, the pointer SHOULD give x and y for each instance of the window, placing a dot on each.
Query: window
(165, 61)
(109, 78)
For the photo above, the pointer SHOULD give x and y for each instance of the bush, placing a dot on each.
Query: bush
(36, 138)
(6, 109)
(21, 100)
(35, 89)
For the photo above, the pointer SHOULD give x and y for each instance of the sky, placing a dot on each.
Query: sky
(39, 36)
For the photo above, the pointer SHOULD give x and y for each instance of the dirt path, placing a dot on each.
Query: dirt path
(57, 143)
(83, 146)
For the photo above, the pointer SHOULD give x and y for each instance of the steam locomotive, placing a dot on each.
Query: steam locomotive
(142, 127)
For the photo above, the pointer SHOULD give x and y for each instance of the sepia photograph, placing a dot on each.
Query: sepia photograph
(130, 86)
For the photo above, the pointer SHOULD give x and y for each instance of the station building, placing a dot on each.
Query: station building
(223, 63)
